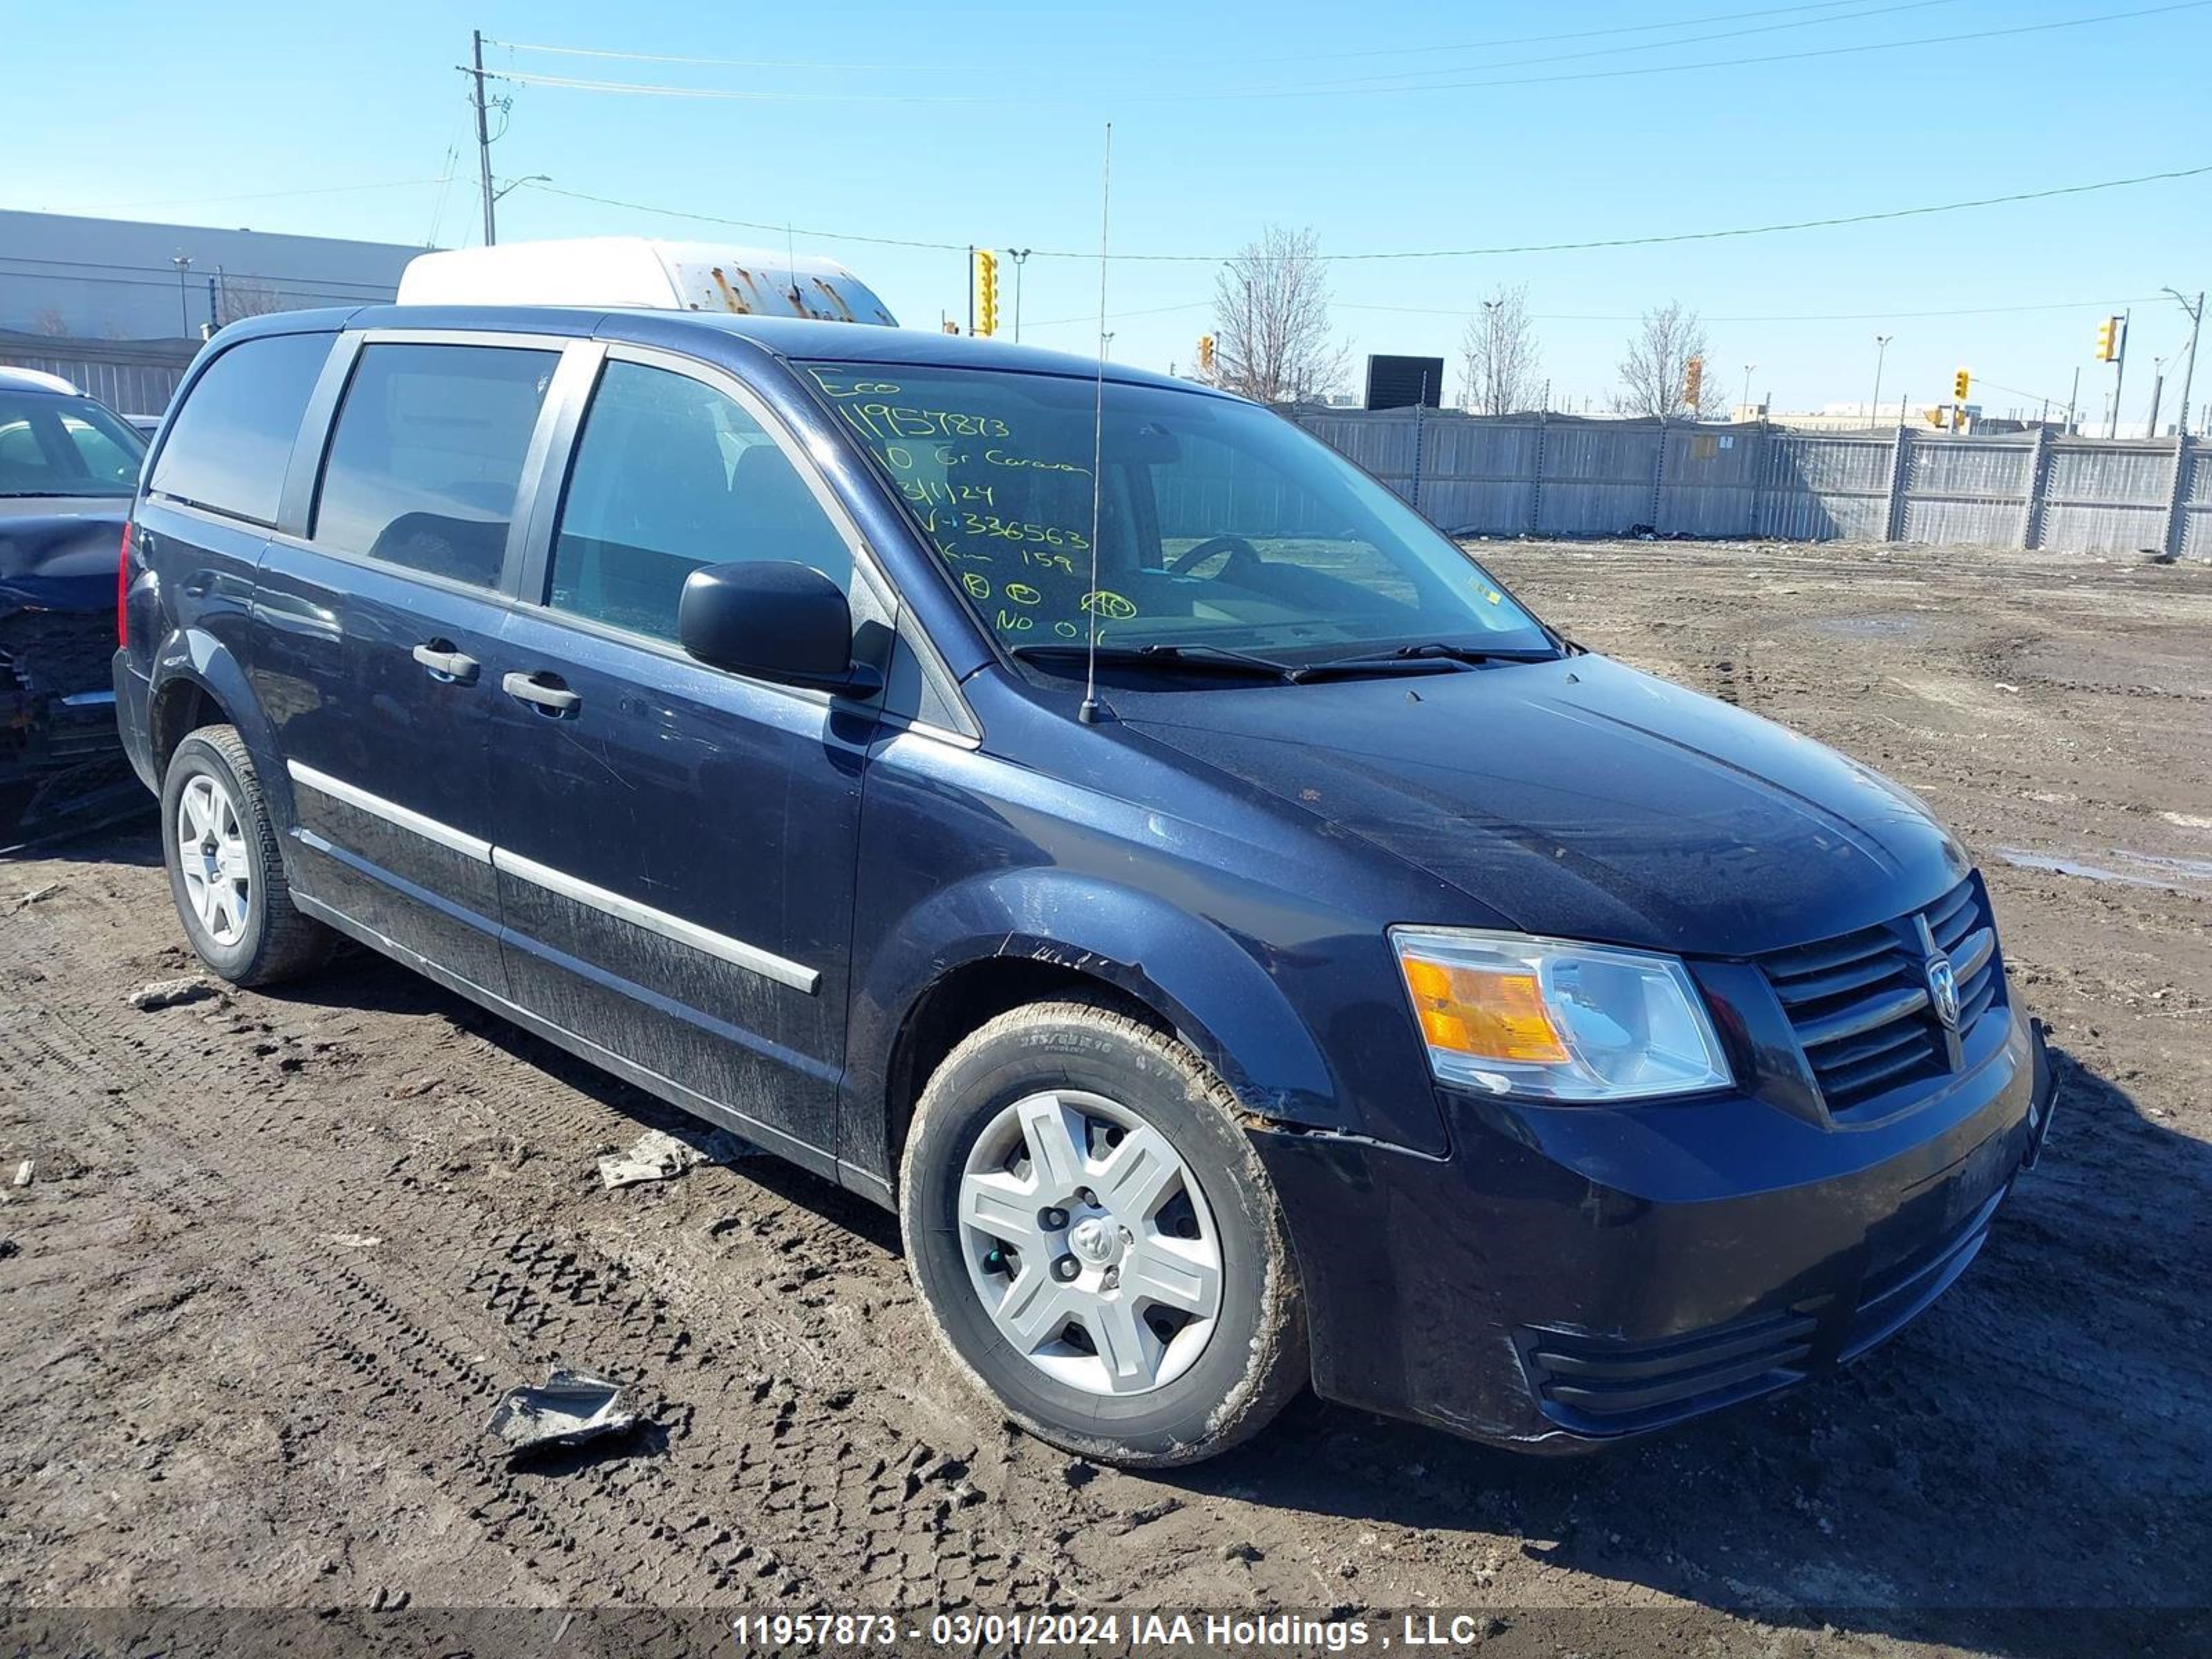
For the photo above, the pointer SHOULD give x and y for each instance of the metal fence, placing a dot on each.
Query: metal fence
(1561, 476)
(132, 377)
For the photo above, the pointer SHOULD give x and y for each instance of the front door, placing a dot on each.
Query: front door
(376, 639)
(676, 845)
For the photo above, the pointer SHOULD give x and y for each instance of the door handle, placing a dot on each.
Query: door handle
(448, 664)
(542, 691)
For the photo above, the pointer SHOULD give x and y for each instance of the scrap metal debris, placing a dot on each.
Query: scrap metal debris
(659, 1156)
(23, 1172)
(36, 894)
(354, 1241)
(572, 1407)
(169, 993)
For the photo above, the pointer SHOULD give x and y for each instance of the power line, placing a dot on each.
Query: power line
(678, 58)
(1734, 63)
(1378, 82)
(1449, 253)
(1569, 34)
(1808, 317)
(257, 196)
(655, 90)
(756, 224)
(1831, 7)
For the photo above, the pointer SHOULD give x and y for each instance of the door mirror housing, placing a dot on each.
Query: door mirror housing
(775, 619)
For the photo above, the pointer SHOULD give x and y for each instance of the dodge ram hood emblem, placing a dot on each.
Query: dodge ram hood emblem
(1943, 991)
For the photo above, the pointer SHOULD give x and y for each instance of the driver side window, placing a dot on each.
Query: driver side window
(671, 474)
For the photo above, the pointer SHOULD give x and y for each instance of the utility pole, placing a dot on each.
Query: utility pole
(971, 288)
(1874, 409)
(2072, 398)
(2189, 373)
(2119, 374)
(2157, 391)
(1020, 256)
(483, 142)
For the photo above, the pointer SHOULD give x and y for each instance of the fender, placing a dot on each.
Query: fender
(194, 655)
(1194, 975)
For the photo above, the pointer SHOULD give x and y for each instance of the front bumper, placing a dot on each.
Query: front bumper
(1571, 1275)
(62, 771)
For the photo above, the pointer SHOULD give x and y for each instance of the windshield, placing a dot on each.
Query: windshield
(54, 445)
(1220, 525)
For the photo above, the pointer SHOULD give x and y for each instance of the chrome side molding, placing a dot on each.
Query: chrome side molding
(721, 946)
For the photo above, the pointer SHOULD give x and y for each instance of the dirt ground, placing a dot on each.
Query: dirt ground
(279, 1254)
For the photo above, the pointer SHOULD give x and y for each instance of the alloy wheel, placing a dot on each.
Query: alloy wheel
(212, 857)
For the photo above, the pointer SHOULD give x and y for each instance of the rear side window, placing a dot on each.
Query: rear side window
(427, 454)
(670, 475)
(227, 446)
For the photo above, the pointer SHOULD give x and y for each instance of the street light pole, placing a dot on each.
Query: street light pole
(183, 263)
(1874, 409)
(1747, 368)
(1020, 256)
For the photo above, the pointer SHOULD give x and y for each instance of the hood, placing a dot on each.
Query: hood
(59, 552)
(1583, 800)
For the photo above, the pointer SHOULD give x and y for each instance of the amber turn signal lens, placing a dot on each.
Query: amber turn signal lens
(1489, 1016)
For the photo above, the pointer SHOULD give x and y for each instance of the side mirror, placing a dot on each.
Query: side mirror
(774, 619)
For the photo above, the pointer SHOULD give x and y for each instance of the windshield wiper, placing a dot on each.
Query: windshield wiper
(1215, 659)
(1424, 657)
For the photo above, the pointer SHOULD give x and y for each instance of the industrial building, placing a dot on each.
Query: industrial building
(118, 305)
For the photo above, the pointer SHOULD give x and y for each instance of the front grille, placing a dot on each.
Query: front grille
(1860, 1003)
(1605, 1384)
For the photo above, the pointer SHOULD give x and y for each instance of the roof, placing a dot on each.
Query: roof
(786, 336)
(33, 380)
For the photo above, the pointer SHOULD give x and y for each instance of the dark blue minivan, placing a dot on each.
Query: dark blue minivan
(1078, 810)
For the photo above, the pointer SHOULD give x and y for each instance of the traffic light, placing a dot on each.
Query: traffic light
(987, 291)
(1693, 383)
(2108, 339)
(1206, 354)
(1958, 385)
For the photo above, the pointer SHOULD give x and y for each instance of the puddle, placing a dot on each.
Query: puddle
(2153, 871)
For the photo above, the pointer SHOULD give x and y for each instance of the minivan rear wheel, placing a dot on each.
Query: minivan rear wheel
(226, 869)
(1095, 1241)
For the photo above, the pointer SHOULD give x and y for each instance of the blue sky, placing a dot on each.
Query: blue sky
(983, 123)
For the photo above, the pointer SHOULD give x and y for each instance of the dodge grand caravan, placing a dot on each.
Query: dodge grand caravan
(1343, 979)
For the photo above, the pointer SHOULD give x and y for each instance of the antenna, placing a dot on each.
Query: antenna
(1090, 712)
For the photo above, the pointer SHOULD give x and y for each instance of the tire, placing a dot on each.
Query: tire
(1191, 1382)
(249, 933)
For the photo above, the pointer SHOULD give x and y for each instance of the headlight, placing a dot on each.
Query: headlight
(1557, 1020)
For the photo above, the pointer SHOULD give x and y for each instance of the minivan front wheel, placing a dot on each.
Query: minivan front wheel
(1095, 1241)
(226, 870)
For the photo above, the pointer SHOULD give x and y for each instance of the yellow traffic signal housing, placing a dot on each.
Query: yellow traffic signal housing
(2108, 339)
(1960, 382)
(1693, 383)
(1205, 353)
(987, 291)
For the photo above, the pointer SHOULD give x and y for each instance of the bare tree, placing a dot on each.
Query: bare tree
(1655, 370)
(51, 323)
(243, 296)
(1498, 354)
(1270, 321)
